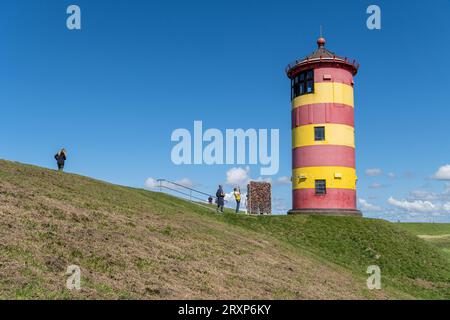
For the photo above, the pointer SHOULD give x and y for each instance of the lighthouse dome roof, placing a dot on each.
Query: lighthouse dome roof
(321, 51)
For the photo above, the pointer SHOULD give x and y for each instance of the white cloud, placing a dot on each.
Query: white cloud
(391, 175)
(443, 173)
(446, 206)
(373, 172)
(443, 196)
(261, 179)
(414, 206)
(229, 196)
(446, 192)
(366, 206)
(283, 180)
(241, 177)
(186, 182)
(151, 183)
(423, 195)
(238, 176)
(376, 185)
(422, 205)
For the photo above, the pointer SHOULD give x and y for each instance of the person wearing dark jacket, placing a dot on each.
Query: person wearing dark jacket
(220, 195)
(61, 158)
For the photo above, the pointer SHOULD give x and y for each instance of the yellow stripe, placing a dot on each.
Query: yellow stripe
(327, 92)
(336, 177)
(335, 134)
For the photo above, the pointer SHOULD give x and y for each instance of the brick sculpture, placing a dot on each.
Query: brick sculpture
(259, 198)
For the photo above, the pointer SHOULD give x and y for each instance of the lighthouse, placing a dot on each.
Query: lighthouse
(323, 135)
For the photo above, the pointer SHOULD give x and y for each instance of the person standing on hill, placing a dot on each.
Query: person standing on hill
(237, 196)
(61, 158)
(220, 195)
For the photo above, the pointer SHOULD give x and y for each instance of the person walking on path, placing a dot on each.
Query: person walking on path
(220, 195)
(61, 158)
(237, 196)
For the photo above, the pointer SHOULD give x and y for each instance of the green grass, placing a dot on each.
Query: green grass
(133, 243)
(437, 234)
(356, 243)
(426, 228)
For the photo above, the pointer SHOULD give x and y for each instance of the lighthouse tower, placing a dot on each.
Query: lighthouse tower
(323, 135)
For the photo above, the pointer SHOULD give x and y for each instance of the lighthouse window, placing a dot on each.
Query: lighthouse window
(302, 83)
(319, 133)
(321, 187)
(309, 86)
(301, 90)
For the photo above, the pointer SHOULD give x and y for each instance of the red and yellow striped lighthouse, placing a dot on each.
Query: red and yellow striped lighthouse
(323, 135)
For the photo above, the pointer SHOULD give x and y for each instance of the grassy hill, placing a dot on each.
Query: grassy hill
(132, 243)
(437, 234)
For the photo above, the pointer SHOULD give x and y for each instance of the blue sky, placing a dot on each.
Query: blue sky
(112, 93)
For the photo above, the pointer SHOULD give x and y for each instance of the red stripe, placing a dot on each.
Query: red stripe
(323, 113)
(334, 199)
(333, 75)
(323, 156)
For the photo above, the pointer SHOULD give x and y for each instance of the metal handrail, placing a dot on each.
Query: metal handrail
(323, 59)
(180, 185)
(190, 195)
(183, 193)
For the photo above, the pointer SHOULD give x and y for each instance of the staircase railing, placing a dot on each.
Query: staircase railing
(187, 193)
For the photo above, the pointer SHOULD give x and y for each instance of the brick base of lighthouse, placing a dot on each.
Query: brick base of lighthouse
(327, 212)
